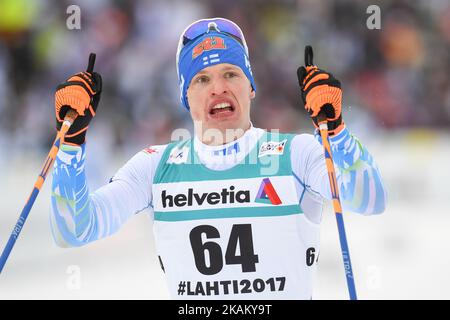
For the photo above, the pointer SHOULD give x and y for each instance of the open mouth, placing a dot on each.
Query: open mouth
(221, 108)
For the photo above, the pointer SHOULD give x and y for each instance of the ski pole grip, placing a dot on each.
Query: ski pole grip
(308, 56)
(90, 67)
(71, 115)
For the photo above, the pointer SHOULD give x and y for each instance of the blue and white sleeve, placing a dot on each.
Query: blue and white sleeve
(79, 217)
(360, 183)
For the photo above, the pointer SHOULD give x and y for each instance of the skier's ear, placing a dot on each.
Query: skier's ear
(252, 93)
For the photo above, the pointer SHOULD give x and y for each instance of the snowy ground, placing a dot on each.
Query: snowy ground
(402, 254)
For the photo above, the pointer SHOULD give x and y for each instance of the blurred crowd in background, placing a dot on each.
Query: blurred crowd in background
(395, 77)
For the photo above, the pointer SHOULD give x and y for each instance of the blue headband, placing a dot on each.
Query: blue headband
(210, 49)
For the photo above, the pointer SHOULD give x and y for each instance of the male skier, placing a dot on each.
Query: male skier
(236, 210)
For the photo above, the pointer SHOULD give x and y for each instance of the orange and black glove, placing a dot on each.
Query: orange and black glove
(321, 91)
(80, 92)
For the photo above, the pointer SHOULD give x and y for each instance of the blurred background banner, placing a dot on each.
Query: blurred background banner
(395, 74)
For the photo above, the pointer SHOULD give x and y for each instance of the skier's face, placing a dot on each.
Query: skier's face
(219, 98)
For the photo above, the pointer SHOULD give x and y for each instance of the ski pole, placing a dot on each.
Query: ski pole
(68, 121)
(323, 127)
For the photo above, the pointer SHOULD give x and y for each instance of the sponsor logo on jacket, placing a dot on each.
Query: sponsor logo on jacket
(272, 148)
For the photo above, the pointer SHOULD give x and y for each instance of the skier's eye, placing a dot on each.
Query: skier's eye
(201, 79)
(231, 74)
